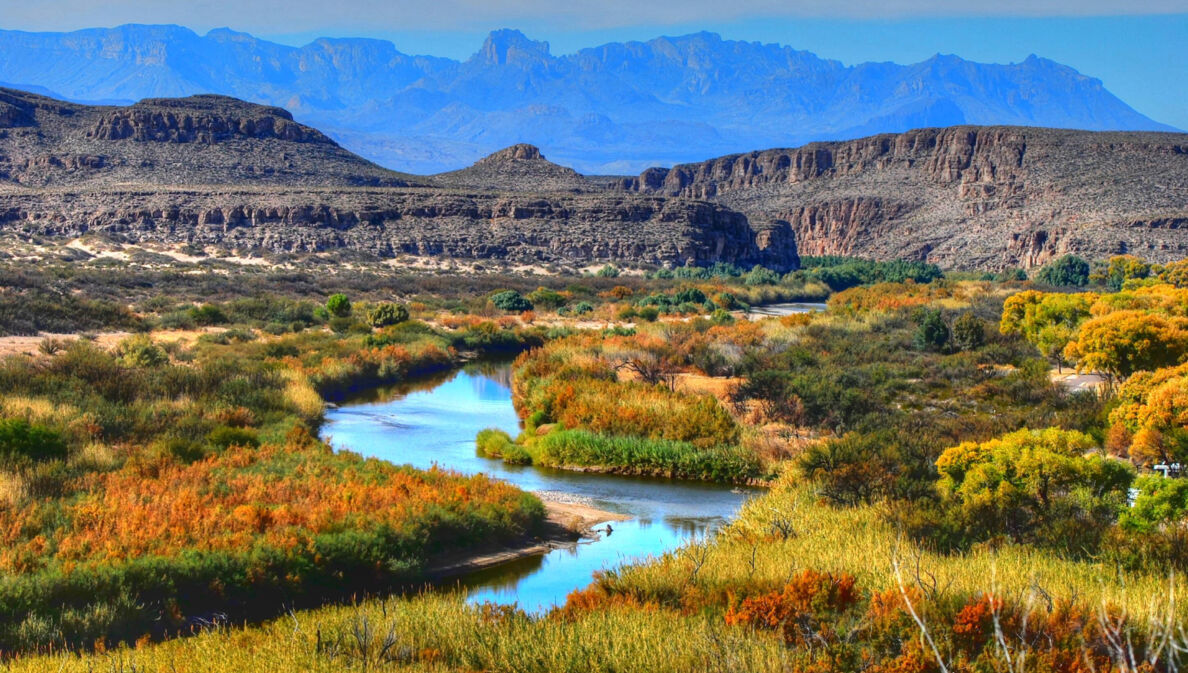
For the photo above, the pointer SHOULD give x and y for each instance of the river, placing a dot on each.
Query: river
(434, 421)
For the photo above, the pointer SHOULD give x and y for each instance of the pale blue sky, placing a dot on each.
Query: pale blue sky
(1139, 49)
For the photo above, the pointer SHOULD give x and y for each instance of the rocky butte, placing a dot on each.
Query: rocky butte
(212, 170)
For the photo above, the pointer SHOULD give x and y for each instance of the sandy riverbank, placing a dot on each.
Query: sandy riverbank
(566, 522)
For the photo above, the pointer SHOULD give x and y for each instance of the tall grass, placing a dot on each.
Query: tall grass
(440, 633)
(641, 455)
(790, 529)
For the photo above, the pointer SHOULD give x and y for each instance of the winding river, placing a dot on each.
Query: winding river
(434, 421)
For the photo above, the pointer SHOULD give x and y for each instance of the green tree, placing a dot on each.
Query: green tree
(338, 305)
(1123, 268)
(1067, 271)
(969, 332)
(608, 271)
(689, 295)
(759, 275)
(1033, 486)
(1047, 320)
(511, 301)
(933, 333)
(1160, 502)
(387, 314)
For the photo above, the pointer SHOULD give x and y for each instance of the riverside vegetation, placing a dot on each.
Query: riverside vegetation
(936, 502)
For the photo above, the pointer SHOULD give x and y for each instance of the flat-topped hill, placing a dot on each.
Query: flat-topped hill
(184, 141)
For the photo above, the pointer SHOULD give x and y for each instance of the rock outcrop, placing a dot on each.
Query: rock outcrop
(577, 229)
(519, 168)
(975, 197)
(200, 140)
(201, 119)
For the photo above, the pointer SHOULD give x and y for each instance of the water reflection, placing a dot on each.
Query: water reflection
(786, 309)
(434, 421)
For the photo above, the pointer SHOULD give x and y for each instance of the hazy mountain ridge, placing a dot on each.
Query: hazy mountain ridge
(614, 108)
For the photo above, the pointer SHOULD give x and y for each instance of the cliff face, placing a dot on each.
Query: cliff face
(200, 140)
(577, 229)
(201, 119)
(960, 196)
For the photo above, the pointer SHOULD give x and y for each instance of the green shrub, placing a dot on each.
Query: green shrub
(338, 305)
(969, 332)
(638, 455)
(492, 442)
(544, 297)
(224, 437)
(689, 295)
(932, 334)
(22, 442)
(608, 271)
(759, 275)
(140, 351)
(1067, 271)
(207, 314)
(387, 314)
(511, 301)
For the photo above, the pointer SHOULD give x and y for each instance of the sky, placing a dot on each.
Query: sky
(1139, 49)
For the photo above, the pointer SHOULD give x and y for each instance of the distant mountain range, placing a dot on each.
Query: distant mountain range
(616, 109)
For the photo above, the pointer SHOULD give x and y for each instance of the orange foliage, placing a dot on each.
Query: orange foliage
(810, 597)
(883, 297)
(279, 497)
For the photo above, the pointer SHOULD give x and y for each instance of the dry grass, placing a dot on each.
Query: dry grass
(859, 541)
(442, 633)
(13, 489)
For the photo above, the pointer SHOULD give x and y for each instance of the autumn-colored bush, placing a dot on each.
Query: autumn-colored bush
(805, 609)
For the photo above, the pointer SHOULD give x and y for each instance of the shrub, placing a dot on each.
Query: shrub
(689, 295)
(492, 442)
(582, 308)
(969, 332)
(546, 298)
(1033, 486)
(640, 455)
(608, 271)
(224, 437)
(853, 469)
(1161, 502)
(140, 351)
(387, 314)
(1067, 271)
(207, 314)
(511, 301)
(22, 442)
(932, 334)
(338, 305)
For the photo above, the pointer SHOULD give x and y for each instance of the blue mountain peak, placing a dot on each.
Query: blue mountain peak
(511, 46)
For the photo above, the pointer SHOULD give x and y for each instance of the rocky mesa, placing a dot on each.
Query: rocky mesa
(210, 170)
(964, 196)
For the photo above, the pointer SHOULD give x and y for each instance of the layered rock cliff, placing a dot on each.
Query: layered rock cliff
(577, 229)
(960, 196)
(211, 140)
